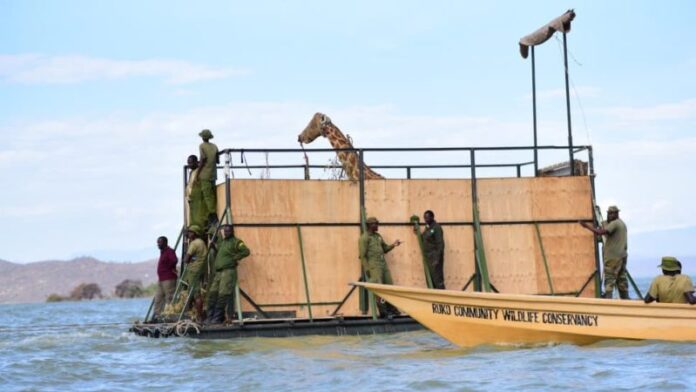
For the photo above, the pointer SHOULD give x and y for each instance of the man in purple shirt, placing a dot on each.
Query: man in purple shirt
(166, 272)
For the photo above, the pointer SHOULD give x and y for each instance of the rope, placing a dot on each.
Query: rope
(182, 327)
(245, 161)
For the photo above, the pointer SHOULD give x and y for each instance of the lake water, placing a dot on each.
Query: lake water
(87, 346)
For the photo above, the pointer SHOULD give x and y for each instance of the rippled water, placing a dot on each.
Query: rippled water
(46, 347)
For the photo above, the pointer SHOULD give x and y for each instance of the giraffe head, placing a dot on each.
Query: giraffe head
(314, 129)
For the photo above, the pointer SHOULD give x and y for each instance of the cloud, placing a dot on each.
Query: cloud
(69, 69)
(665, 111)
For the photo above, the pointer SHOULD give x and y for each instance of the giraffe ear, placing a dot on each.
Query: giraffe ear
(325, 119)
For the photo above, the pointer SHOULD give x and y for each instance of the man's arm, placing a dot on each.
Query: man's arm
(242, 251)
(387, 248)
(596, 230)
(170, 259)
(690, 298)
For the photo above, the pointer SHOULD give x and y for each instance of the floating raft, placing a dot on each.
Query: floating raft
(335, 326)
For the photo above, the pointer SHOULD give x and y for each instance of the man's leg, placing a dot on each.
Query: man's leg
(169, 287)
(159, 300)
(225, 302)
(209, 197)
(436, 272)
(611, 271)
(622, 280)
(212, 298)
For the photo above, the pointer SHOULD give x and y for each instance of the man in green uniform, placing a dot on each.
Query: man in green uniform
(207, 174)
(615, 252)
(672, 286)
(198, 211)
(372, 249)
(434, 249)
(195, 260)
(230, 250)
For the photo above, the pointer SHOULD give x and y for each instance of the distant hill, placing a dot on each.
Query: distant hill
(33, 282)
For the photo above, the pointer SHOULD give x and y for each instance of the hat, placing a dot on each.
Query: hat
(613, 209)
(195, 228)
(670, 263)
(206, 134)
(371, 220)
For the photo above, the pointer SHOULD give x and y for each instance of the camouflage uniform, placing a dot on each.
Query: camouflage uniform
(615, 258)
(372, 249)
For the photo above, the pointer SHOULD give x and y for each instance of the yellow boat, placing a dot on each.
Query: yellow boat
(473, 318)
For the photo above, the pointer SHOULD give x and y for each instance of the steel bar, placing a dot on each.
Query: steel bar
(253, 304)
(567, 91)
(587, 282)
(343, 301)
(633, 283)
(304, 273)
(543, 255)
(534, 117)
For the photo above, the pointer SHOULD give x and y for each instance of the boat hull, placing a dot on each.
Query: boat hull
(470, 319)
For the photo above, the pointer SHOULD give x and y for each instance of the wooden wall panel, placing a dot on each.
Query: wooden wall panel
(292, 201)
(273, 273)
(505, 199)
(570, 254)
(511, 255)
(398, 200)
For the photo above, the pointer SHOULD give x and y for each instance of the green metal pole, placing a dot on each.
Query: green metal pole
(635, 286)
(543, 255)
(480, 252)
(424, 259)
(304, 273)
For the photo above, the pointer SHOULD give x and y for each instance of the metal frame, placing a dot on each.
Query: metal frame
(480, 278)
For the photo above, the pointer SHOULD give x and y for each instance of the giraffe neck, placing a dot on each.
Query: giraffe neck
(349, 159)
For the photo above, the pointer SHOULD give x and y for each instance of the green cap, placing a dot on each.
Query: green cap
(613, 209)
(206, 134)
(670, 263)
(371, 220)
(195, 228)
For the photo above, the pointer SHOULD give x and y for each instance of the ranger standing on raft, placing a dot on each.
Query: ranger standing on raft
(198, 211)
(194, 259)
(615, 252)
(434, 249)
(230, 250)
(207, 174)
(372, 249)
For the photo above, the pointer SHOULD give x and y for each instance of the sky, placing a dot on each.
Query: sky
(100, 102)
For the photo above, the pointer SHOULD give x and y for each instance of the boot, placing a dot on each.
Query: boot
(623, 294)
(608, 295)
(210, 313)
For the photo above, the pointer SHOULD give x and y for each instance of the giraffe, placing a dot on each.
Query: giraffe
(321, 125)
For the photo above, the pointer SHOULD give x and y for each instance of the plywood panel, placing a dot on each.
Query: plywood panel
(292, 201)
(562, 198)
(511, 253)
(570, 254)
(505, 199)
(398, 200)
(331, 259)
(273, 273)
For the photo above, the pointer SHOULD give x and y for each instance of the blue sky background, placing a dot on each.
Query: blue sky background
(101, 101)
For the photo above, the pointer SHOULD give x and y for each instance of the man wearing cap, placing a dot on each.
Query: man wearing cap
(434, 249)
(230, 250)
(671, 286)
(207, 174)
(372, 249)
(195, 259)
(614, 253)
